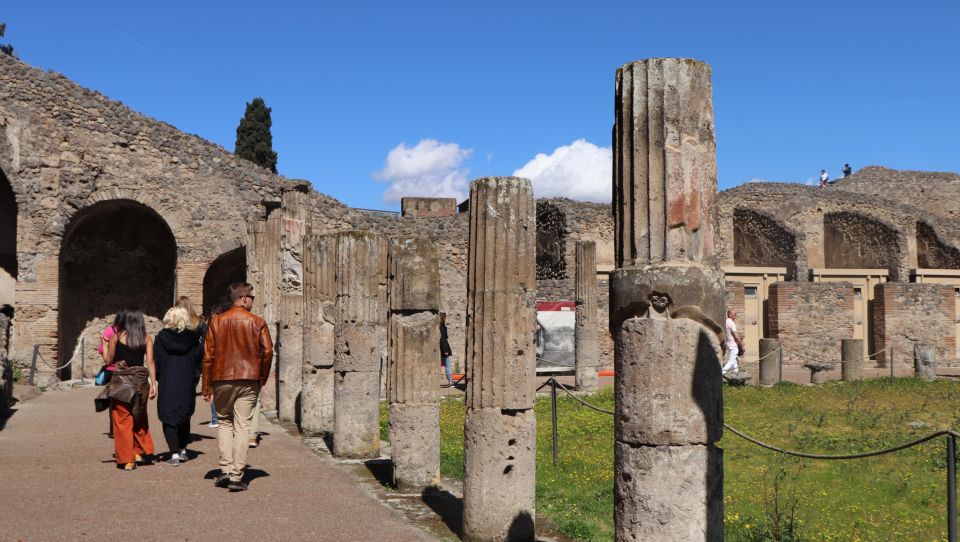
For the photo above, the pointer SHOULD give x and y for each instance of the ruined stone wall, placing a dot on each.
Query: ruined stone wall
(935, 192)
(909, 313)
(933, 252)
(759, 241)
(854, 241)
(810, 318)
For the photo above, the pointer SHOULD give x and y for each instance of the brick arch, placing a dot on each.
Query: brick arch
(177, 219)
(854, 240)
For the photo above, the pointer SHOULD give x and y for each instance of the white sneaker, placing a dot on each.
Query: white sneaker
(213, 424)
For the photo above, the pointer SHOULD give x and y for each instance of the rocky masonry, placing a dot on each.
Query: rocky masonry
(358, 348)
(319, 295)
(499, 486)
(414, 410)
(666, 300)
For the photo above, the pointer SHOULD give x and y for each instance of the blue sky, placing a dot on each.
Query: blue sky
(460, 90)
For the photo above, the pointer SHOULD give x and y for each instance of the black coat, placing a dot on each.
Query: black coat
(177, 356)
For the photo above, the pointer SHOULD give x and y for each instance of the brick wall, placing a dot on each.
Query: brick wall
(735, 300)
(810, 319)
(908, 313)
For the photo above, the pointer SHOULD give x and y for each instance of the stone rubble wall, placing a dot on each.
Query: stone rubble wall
(908, 313)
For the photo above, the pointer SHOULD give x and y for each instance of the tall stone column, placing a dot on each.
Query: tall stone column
(499, 487)
(263, 272)
(666, 305)
(585, 332)
(413, 280)
(319, 295)
(294, 219)
(358, 349)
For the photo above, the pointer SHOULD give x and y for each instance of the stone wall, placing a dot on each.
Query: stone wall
(935, 192)
(907, 313)
(810, 318)
(855, 241)
(933, 252)
(759, 241)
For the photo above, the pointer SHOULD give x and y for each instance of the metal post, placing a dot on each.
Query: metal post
(33, 365)
(553, 407)
(891, 363)
(951, 488)
(83, 359)
(780, 365)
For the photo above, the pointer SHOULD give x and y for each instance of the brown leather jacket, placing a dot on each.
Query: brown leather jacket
(237, 347)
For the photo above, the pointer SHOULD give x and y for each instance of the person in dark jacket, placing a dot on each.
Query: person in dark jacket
(178, 354)
(446, 353)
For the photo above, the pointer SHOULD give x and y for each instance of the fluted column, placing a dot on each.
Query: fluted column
(585, 331)
(294, 221)
(319, 293)
(499, 487)
(666, 303)
(263, 272)
(414, 289)
(358, 349)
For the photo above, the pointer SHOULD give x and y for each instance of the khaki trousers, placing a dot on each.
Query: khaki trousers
(234, 400)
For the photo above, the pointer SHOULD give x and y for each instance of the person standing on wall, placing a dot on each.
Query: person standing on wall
(824, 178)
(446, 353)
(237, 355)
(847, 170)
(733, 344)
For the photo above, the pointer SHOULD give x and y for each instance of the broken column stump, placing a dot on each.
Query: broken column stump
(666, 305)
(499, 487)
(586, 331)
(851, 359)
(358, 349)
(319, 294)
(925, 361)
(414, 411)
(771, 358)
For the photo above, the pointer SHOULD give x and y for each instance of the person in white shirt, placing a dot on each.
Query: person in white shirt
(824, 177)
(732, 342)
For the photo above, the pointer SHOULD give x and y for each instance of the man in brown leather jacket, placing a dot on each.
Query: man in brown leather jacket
(236, 362)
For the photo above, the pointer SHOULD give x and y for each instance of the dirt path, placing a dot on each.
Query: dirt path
(58, 482)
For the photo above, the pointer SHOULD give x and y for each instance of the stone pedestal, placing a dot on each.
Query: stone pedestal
(358, 351)
(319, 292)
(294, 220)
(925, 361)
(770, 362)
(586, 330)
(666, 305)
(851, 358)
(499, 487)
(818, 372)
(414, 329)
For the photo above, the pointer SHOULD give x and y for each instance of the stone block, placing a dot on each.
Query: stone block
(318, 341)
(675, 363)
(414, 275)
(361, 277)
(415, 446)
(668, 493)
(687, 291)
(427, 207)
(316, 400)
(414, 358)
(499, 487)
(356, 421)
(358, 347)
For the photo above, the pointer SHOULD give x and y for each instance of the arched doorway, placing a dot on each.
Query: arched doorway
(114, 254)
(229, 267)
(8, 241)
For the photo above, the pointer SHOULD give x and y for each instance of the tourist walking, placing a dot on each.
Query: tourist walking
(236, 363)
(733, 343)
(134, 382)
(446, 353)
(178, 356)
(108, 368)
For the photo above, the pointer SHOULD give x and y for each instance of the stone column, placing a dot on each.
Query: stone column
(319, 294)
(413, 278)
(666, 305)
(500, 429)
(851, 359)
(361, 310)
(585, 332)
(294, 217)
(770, 362)
(925, 361)
(263, 272)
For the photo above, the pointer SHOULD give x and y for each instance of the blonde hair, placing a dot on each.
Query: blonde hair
(185, 303)
(177, 319)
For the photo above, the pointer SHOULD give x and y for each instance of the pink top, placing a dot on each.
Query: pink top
(108, 334)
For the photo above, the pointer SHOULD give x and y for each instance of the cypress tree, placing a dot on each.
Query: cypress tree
(254, 141)
(5, 48)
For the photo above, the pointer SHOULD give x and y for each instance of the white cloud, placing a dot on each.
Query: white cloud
(580, 171)
(429, 168)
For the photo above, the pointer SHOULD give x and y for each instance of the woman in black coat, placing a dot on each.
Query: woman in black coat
(178, 355)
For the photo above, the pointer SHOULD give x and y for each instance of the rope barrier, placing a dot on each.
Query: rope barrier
(581, 401)
(55, 368)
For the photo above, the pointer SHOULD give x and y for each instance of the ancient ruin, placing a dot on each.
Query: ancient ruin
(294, 220)
(587, 349)
(319, 319)
(500, 427)
(413, 395)
(667, 301)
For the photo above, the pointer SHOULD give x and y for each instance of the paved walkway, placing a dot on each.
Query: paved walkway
(58, 482)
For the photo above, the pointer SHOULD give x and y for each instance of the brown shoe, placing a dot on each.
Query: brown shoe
(237, 486)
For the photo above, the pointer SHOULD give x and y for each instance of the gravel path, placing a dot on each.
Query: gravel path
(58, 482)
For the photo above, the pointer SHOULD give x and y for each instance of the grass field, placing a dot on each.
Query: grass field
(768, 496)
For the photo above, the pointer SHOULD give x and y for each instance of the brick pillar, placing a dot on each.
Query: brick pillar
(499, 487)
(666, 303)
(319, 294)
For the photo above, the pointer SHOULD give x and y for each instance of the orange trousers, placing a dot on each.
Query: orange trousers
(131, 436)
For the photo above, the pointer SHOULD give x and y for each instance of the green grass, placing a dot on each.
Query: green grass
(901, 496)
